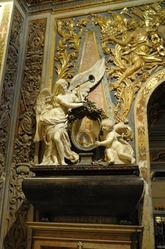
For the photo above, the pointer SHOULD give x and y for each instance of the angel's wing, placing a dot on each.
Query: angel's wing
(124, 130)
(42, 101)
(89, 78)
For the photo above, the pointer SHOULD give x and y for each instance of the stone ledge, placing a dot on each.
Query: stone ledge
(90, 169)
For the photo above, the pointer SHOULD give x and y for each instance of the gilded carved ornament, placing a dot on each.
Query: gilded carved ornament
(8, 85)
(24, 147)
(141, 109)
(69, 40)
(31, 83)
(17, 208)
(66, 4)
(133, 46)
(158, 77)
(17, 234)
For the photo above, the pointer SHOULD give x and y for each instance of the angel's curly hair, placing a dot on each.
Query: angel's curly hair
(58, 86)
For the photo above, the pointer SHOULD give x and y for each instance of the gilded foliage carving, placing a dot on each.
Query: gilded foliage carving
(6, 105)
(141, 112)
(142, 143)
(132, 42)
(24, 147)
(4, 102)
(9, 84)
(29, 91)
(16, 237)
(70, 34)
(17, 173)
(136, 51)
(34, 58)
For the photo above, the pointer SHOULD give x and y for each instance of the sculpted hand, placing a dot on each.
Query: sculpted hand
(97, 143)
(85, 104)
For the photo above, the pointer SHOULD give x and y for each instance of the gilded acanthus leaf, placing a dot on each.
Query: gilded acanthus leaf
(63, 69)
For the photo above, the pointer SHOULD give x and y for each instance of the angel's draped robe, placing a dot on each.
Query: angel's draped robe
(49, 125)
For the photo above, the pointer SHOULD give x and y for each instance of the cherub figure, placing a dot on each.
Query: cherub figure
(136, 50)
(52, 112)
(117, 148)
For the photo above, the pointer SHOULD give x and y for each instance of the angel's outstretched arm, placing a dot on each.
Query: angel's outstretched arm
(107, 142)
(64, 102)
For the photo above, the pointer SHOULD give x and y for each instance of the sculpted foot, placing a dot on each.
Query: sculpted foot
(55, 163)
(111, 162)
(63, 163)
(133, 160)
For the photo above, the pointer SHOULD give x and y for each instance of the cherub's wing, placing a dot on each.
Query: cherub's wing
(124, 130)
(43, 98)
(89, 78)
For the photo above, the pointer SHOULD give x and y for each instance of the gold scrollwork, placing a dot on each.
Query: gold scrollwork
(133, 45)
(68, 46)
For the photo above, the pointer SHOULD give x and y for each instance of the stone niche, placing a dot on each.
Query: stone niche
(85, 206)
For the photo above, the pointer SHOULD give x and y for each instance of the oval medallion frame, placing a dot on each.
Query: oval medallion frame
(89, 113)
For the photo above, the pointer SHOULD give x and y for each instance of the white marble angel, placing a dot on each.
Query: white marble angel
(52, 113)
(115, 137)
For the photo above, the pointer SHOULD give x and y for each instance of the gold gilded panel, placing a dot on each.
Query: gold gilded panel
(132, 44)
